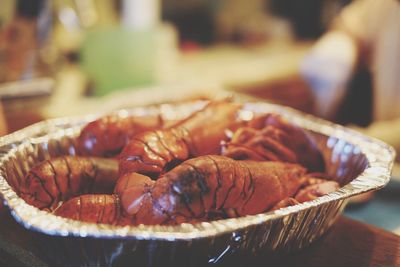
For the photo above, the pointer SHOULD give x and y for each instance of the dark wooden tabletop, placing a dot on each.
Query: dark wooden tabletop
(347, 243)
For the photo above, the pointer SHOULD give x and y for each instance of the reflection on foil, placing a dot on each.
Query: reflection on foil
(359, 163)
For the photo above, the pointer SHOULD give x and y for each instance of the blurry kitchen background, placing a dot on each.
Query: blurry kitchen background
(75, 56)
(72, 57)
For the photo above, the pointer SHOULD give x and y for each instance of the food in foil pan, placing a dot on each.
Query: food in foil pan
(213, 164)
(356, 162)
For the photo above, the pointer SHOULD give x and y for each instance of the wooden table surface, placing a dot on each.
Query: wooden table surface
(347, 243)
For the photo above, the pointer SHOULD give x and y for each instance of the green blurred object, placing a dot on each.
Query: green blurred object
(119, 58)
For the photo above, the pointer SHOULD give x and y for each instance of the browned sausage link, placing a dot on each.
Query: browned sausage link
(61, 178)
(107, 136)
(154, 152)
(207, 185)
(94, 209)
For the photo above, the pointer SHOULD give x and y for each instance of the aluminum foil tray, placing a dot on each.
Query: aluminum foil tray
(358, 162)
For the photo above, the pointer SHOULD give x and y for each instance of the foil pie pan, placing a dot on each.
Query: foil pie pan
(358, 162)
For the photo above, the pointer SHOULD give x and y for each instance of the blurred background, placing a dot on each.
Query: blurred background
(77, 53)
(70, 57)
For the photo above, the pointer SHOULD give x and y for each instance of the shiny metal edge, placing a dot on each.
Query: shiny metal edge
(380, 158)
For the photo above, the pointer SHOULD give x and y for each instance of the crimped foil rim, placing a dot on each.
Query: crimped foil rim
(380, 158)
